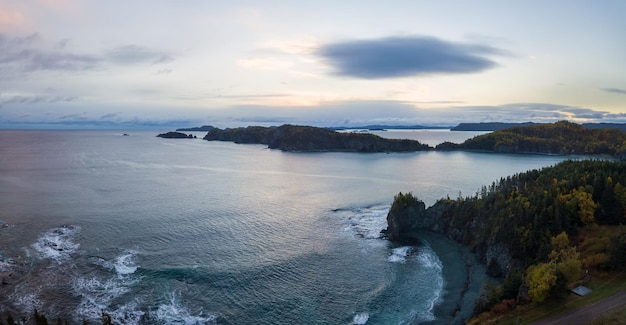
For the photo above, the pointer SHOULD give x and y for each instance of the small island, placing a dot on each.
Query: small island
(176, 135)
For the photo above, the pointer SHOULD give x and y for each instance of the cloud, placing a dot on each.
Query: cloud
(28, 54)
(22, 53)
(615, 90)
(37, 99)
(394, 57)
(133, 54)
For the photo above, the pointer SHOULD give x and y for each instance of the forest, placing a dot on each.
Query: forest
(563, 138)
(556, 224)
(307, 138)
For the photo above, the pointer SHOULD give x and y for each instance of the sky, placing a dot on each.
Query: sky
(164, 64)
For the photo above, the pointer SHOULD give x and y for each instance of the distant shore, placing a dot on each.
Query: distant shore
(463, 276)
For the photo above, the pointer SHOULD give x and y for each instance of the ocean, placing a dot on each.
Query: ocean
(187, 231)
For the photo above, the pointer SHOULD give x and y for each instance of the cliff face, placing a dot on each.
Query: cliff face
(408, 215)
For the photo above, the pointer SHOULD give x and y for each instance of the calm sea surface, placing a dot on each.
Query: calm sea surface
(179, 231)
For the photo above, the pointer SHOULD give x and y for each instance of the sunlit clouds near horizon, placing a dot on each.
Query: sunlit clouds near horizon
(163, 64)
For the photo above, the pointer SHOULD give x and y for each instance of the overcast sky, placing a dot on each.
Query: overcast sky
(80, 63)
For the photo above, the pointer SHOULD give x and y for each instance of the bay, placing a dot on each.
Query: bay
(186, 231)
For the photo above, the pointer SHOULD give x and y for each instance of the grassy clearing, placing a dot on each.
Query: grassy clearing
(615, 317)
(603, 286)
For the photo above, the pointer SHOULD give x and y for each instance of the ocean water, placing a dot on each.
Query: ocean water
(186, 231)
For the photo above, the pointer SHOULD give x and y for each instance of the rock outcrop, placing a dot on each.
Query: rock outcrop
(408, 216)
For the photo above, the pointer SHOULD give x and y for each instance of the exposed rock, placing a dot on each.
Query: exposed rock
(404, 217)
(408, 215)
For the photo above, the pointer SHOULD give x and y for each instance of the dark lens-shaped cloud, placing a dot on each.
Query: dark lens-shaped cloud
(406, 56)
(615, 90)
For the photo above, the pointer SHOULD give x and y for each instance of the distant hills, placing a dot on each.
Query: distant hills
(561, 138)
(494, 126)
(482, 126)
(197, 128)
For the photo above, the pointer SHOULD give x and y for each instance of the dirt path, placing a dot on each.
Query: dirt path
(585, 314)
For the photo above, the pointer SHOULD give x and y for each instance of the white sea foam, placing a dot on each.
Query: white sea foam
(174, 313)
(361, 318)
(428, 259)
(99, 292)
(58, 243)
(368, 222)
(125, 263)
(399, 255)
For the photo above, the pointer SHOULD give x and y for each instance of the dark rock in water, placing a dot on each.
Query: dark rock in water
(176, 135)
(403, 217)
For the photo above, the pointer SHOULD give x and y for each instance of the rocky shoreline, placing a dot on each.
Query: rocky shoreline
(463, 276)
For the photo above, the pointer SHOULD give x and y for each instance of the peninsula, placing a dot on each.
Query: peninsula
(312, 139)
(540, 232)
(560, 138)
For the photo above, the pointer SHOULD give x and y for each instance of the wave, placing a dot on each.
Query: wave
(366, 222)
(428, 259)
(58, 243)
(98, 293)
(360, 318)
(399, 254)
(123, 264)
(173, 312)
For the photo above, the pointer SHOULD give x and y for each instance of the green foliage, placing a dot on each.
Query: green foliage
(402, 201)
(308, 138)
(541, 279)
(558, 138)
(490, 294)
(617, 259)
(535, 214)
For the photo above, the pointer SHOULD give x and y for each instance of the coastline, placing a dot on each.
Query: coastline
(463, 276)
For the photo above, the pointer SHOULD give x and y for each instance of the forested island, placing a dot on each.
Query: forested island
(176, 135)
(308, 138)
(562, 138)
(541, 232)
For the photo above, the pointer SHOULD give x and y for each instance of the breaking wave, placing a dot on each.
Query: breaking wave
(58, 243)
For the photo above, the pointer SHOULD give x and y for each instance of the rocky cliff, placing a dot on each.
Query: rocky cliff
(408, 216)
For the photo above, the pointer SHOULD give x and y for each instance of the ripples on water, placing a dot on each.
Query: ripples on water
(177, 231)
